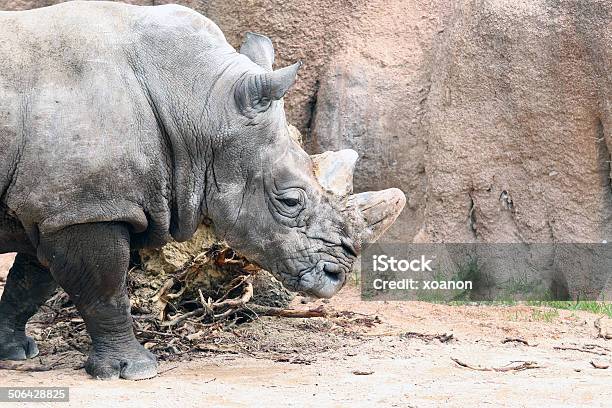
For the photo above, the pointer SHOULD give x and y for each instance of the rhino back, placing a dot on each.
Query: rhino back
(82, 142)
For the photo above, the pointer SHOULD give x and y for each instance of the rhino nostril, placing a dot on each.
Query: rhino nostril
(331, 267)
(332, 270)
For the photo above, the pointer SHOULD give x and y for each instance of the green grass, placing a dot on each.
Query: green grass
(468, 271)
(588, 306)
(544, 315)
(601, 308)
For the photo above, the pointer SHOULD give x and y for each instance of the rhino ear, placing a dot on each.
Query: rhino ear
(255, 92)
(259, 49)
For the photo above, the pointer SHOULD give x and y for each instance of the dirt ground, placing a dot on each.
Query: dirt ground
(368, 354)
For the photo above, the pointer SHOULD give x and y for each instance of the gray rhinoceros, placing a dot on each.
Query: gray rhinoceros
(124, 127)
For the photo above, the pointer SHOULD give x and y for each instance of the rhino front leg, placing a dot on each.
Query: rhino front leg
(90, 262)
(29, 285)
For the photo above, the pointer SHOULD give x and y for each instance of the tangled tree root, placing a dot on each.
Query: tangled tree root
(213, 291)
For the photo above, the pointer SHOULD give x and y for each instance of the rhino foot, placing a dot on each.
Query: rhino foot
(28, 285)
(131, 363)
(17, 346)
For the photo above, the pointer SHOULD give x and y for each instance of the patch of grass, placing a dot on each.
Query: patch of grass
(523, 288)
(592, 306)
(601, 308)
(544, 315)
(470, 271)
(520, 285)
(497, 302)
(431, 297)
(534, 315)
(467, 272)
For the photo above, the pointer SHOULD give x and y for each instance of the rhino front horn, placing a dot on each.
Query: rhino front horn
(378, 209)
(334, 171)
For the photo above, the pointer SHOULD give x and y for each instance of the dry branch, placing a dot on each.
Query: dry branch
(583, 349)
(182, 317)
(5, 365)
(443, 338)
(232, 305)
(517, 340)
(360, 372)
(238, 302)
(595, 346)
(524, 365)
(275, 311)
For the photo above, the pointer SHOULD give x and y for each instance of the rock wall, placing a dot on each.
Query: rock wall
(493, 116)
(518, 123)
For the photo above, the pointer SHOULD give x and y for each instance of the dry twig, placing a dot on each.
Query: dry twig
(359, 372)
(276, 311)
(517, 340)
(596, 346)
(524, 365)
(5, 365)
(583, 349)
(443, 338)
(232, 305)
(238, 302)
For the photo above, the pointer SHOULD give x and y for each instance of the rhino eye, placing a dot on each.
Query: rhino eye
(290, 203)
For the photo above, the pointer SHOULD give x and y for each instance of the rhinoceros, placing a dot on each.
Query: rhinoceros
(126, 127)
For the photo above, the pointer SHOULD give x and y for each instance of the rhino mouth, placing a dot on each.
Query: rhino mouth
(322, 278)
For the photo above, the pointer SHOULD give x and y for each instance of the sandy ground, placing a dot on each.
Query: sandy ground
(385, 354)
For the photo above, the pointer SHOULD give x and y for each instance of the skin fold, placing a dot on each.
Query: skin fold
(125, 127)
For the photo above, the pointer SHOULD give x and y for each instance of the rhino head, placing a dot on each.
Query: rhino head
(293, 214)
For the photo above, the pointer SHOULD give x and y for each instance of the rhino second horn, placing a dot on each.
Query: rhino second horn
(334, 171)
(379, 210)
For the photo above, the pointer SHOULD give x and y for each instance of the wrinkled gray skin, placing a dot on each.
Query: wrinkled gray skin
(124, 127)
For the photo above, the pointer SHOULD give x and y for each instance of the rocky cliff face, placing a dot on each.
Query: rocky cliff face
(518, 123)
(493, 115)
